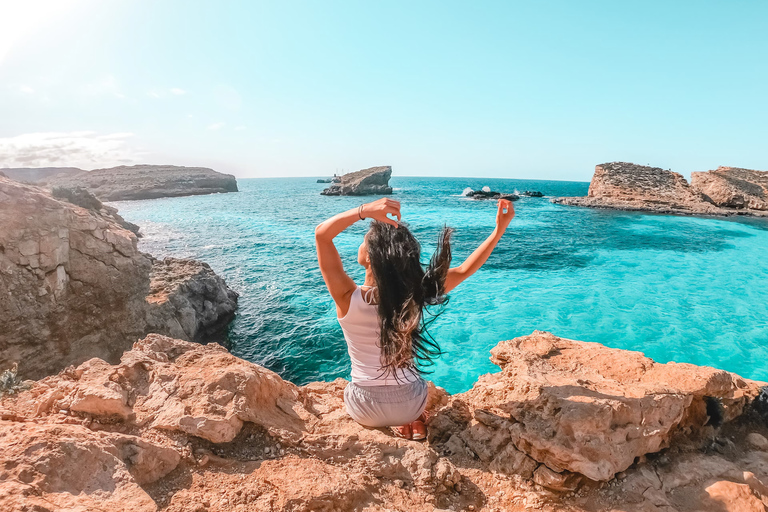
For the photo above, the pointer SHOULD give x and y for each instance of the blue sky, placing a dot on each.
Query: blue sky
(541, 90)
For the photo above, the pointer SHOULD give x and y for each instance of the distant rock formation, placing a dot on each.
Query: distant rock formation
(148, 182)
(627, 186)
(372, 181)
(532, 193)
(179, 426)
(732, 187)
(490, 194)
(38, 175)
(327, 180)
(74, 285)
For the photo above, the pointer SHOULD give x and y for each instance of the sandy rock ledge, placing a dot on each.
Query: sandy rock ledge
(565, 425)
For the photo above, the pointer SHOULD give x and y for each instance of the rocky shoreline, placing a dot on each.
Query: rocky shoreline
(75, 286)
(565, 426)
(371, 181)
(725, 191)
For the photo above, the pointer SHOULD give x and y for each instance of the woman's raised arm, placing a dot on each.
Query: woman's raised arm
(504, 214)
(338, 282)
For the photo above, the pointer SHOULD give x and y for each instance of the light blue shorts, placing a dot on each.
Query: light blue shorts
(383, 406)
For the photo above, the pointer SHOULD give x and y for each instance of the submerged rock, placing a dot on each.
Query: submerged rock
(372, 181)
(74, 285)
(148, 182)
(627, 186)
(182, 426)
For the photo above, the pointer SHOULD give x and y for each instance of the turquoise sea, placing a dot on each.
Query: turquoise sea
(676, 288)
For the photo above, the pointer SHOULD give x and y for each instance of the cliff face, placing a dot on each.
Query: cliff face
(732, 187)
(148, 182)
(626, 186)
(74, 285)
(179, 426)
(372, 181)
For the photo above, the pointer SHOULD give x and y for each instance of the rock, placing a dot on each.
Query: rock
(65, 467)
(198, 428)
(758, 441)
(191, 301)
(489, 194)
(733, 497)
(148, 182)
(627, 186)
(74, 286)
(586, 408)
(532, 193)
(38, 175)
(372, 181)
(328, 180)
(732, 187)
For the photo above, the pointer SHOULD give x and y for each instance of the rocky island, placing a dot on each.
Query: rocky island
(724, 191)
(372, 181)
(147, 182)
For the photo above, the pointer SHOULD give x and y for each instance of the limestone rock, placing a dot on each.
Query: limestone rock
(733, 497)
(627, 186)
(732, 187)
(37, 175)
(74, 286)
(586, 408)
(372, 181)
(148, 182)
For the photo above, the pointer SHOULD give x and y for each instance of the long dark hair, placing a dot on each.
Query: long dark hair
(405, 292)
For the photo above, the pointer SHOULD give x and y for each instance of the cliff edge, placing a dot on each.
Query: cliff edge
(147, 182)
(75, 286)
(372, 181)
(566, 426)
(626, 186)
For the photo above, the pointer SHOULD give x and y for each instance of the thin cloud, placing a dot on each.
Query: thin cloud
(153, 94)
(240, 128)
(85, 149)
(216, 126)
(177, 91)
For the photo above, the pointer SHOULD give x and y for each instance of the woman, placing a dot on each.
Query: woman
(383, 319)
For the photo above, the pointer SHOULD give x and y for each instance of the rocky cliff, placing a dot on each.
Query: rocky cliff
(372, 181)
(566, 426)
(627, 186)
(148, 182)
(74, 286)
(37, 174)
(732, 187)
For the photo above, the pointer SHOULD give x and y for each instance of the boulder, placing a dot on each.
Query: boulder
(482, 194)
(372, 181)
(732, 187)
(589, 409)
(74, 286)
(148, 182)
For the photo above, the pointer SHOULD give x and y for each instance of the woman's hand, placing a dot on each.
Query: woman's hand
(503, 219)
(379, 209)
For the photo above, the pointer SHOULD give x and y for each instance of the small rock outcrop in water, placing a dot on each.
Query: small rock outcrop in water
(732, 187)
(373, 181)
(626, 186)
(75, 286)
(148, 182)
(490, 194)
(178, 426)
(532, 193)
(37, 175)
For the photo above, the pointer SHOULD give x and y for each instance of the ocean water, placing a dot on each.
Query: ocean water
(675, 288)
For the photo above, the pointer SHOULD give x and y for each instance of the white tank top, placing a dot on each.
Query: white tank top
(361, 330)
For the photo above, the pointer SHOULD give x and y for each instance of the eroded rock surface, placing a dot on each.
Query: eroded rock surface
(37, 175)
(732, 187)
(179, 426)
(73, 286)
(627, 186)
(372, 181)
(148, 182)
